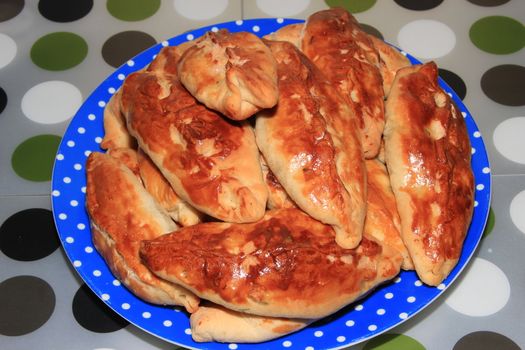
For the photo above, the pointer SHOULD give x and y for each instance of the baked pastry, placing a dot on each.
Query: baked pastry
(128, 157)
(343, 52)
(285, 265)
(277, 196)
(291, 33)
(390, 61)
(233, 73)
(116, 134)
(122, 214)
(311, 144)
(382, 219)
(157, 185)
(427, 151)
(211, 163)
(215, 323)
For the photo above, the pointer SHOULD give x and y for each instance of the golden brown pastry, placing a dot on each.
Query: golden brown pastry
(382, 219)
(216, 323)
(291, 33)
(122, 214)
(211, 163)
(311, 144)
(285, 265)
(390, 61)
(233, 73)
(128, 157)
(333, 40)
(277, 196)
(116, 134)
(427, 151)
(157, 185)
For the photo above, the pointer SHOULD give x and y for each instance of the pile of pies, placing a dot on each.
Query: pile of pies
(265, 183)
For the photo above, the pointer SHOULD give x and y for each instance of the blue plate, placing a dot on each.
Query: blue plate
(385, 308)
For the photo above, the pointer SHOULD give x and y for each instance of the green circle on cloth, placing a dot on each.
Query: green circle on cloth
(59, 51)
(393, 342)
(498, 34)
(133, 10)
(491, 220)
(33, 159)
(354, 6)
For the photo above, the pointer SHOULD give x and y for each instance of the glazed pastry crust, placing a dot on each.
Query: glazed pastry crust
(285, 265)
(233, 73)
(122, 214)
(216, 323)
(211, 163)
(157, 185)
(335, 43)
(427, 151)
(311, 144)
(382, 219)
(390, 61)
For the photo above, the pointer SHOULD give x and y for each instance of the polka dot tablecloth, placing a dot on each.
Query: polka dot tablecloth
(54, 53)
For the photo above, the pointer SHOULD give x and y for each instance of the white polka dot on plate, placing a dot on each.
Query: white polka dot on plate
(508, 139)
(403, 315)
(279, 8)
(256, 29)
(77, 263)
(62, 216)
(70, 240)
(105, 296)
(98, 139)
(97, 273)
(380, 312)
(121, 76)
(187, 331)
(67, 180)
(101, 103)
(483, 291)
(480, 187)
(318, 334)
(350, 323)
(92, 117)
(411, 299)
(88, 250)
(77, 166)
(146, 314)
(125, 306)
(287, 343)
(59, 157)
(517, 208)
(389, 295)
(130, 63)
(232, 346)
(358, 307)
(372, 327)
(341, 339)
(116, 283)
(200, 9)
(70, 143)
(413, 38)
(51, 102)
(81, 130)
(55, 193)
(73, 203)
(81, 226)
(9, 49)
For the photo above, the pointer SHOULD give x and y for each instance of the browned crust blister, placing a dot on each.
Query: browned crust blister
(257, 148)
